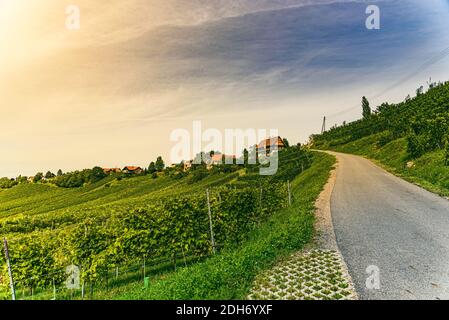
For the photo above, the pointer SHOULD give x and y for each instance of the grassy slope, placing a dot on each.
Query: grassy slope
(428, 171)
(230, 274)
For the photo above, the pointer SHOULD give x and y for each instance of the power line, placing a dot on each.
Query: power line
(440, 56)
(421, 68)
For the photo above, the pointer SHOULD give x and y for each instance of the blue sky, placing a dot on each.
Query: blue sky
(111, 93)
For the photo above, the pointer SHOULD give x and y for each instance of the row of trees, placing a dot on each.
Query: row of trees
(79, 178)
(76, 178)
(6, 183)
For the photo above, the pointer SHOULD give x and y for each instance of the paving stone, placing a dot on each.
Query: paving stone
(311, 275)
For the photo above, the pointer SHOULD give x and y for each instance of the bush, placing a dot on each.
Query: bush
(6, 183)
(385, 138)
(417, 145)
(79, 178)
(198, 175)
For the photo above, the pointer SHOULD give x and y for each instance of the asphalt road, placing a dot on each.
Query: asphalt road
(403, 230)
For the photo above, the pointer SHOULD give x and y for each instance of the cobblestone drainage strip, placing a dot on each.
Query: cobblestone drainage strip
(311, 275)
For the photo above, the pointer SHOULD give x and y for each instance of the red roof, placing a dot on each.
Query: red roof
(112, 169)
(219, 157)
(132, 168)
(278, 142)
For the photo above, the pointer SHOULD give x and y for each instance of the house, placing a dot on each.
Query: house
(188, 165)
(223, 159)
(132, 170)
(219, 159)
(270, 145)
(112, 170)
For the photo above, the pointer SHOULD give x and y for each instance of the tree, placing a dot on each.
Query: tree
(160, 165)
(38, 177)
(198, 175)
(49, 175)
(419, 91)
(97, 174)
(366, 109)
(287, 144)
(60, 173)
(6, 183)
(152, 168)
(245, 157)
(199, 160)
(22, 179)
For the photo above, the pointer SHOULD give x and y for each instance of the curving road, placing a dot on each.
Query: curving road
(381, 220)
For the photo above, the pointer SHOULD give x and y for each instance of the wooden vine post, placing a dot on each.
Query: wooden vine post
(212, 238)
(8, 263)
(289, 193)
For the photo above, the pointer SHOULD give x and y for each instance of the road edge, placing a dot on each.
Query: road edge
(324, 228)
(420, 183)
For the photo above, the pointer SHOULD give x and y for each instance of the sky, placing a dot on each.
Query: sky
(110, 93)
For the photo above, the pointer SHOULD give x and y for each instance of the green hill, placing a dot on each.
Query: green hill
(121, 230)
(410, 139)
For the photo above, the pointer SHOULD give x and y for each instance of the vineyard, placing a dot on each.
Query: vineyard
(410, 138)
(139, 224)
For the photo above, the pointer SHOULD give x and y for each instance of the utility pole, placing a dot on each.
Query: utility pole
(11, 280)
(323, 128)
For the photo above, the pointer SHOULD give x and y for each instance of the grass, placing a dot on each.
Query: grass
(230, 274)
(427, 171)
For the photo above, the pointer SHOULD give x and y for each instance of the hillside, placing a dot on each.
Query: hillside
(123, 230)
(410, 139)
